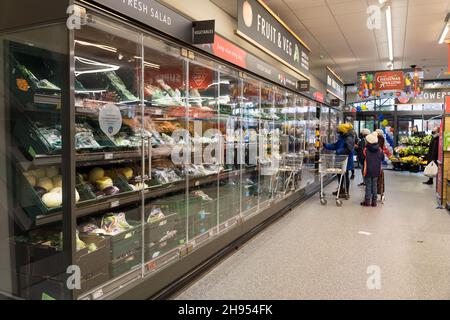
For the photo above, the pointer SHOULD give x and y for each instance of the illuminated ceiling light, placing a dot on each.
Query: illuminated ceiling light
(100, 46)
(444, 34)
(389, 33)
(148, 64)
(445, 30)
(97, 66)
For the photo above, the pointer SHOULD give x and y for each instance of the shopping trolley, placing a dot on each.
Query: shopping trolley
(332, 164)
(291, 166)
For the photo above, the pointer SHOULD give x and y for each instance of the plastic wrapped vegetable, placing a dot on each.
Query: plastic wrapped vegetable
(115, 223)
(155, 215)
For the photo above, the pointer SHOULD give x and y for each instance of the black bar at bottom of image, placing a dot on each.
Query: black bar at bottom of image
(234, 309)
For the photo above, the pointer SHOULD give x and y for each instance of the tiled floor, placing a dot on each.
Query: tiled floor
(318, 252)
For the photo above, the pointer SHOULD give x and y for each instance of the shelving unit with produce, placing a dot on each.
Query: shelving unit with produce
(411, 153)
(128, 158)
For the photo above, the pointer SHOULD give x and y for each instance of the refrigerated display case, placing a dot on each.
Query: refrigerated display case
(335, 120)
(325, 124)
(124, 158)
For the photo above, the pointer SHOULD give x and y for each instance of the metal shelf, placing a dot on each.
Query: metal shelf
(134, 197)
(154, 265)
(82, 159)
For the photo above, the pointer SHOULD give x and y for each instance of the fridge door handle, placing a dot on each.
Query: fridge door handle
(149, 145)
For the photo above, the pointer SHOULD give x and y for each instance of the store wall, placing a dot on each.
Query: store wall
(39, 38)
(28, 12)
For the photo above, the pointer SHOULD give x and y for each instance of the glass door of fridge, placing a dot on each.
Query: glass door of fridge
(33, 94)
(165, 95)
(301, 139)
(313, 143)
(325, 133)
(334, 122)
(248, 142)
(112, 150)
(267, 138)
(230, 103)
(204, 168)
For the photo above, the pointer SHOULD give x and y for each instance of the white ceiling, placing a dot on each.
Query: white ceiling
(337, 33)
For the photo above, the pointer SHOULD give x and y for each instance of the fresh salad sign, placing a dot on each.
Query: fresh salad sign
(153, 14)
(259, 26)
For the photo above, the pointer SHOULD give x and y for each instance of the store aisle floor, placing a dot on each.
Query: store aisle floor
(318, 252)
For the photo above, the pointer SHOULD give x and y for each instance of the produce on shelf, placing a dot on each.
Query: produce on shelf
(96, 174)
(111, 190)
(38, 173)
(416, 141)
(31, 179)
(202, 195)
(45, 183)
(84, 137)
(140, 186)
(168, 235)
(155, 215)
(413, 150)
(51, 172)
(111, 224)
(104, 183)
(127, 172)
(164, 175)
(40, 191)
(52, 200)
(411, 160)
(57, 181)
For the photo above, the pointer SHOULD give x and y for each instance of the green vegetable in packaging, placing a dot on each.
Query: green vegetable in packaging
(92, 247)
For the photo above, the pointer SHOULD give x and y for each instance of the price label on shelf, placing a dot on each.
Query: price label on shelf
(109, 156)
(97, 294)
(115, 203)
(151, 265)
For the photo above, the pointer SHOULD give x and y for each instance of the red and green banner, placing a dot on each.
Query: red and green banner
(400, 84)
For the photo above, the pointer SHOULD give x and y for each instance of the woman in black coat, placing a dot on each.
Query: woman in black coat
(433, 151)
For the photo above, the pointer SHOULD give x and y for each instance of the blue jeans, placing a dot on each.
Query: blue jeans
(371, 189)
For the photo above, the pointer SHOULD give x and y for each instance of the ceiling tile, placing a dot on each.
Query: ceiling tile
(349, 7)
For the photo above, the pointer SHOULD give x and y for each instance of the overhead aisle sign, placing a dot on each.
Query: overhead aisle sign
(261, 27)
(335, 86)
(232, 53)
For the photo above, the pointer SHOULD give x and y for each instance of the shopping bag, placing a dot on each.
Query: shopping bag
(431, 170)
(380, 183)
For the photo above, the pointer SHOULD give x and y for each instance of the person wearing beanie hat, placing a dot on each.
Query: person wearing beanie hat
(381, 140)
(373, 157)
(345, 145)
(360, 148)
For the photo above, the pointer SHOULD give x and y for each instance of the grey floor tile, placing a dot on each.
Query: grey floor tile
(318, 252)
